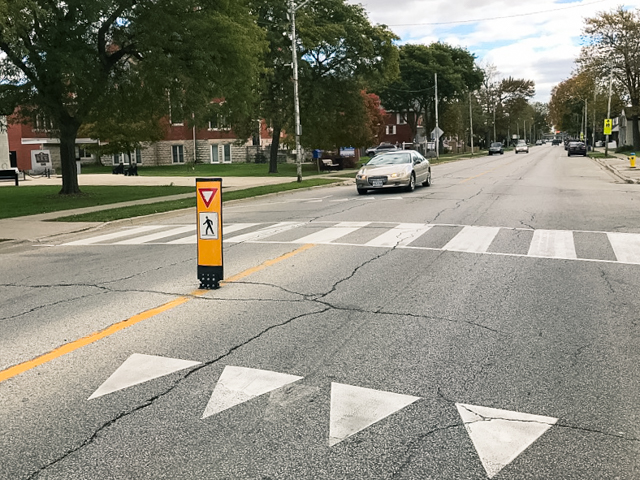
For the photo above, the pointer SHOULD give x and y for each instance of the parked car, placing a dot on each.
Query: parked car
(577, 148)
(522, 147)
(496, 147)
(404, 168)
(556, 141)
(383, 147)
(538, 142)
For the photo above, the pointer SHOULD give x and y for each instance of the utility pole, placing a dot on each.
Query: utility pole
(437, 128)
(606, 142)
(296, 99)
(471, 123)
(524, 131)
(593, 132)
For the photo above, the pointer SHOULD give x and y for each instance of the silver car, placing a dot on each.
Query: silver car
(404, 168)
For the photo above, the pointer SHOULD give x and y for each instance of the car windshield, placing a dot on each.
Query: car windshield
(391, 159)
(521, 142)
(575, 144)
(496, 144)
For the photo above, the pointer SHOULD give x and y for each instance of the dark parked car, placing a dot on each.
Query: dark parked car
(383, 147)
(496, 147)
(577, 148)
(556, 141)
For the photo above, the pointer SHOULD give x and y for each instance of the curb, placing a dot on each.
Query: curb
(101, 225)
(616, 172)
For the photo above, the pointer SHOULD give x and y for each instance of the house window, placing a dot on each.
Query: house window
(84, 153)
(176, 110)
(218, 122)
(116, 159)
(177, 154)
(400, 120)
(138, 155)
(215, 153)
(390, 130)
(221, 153)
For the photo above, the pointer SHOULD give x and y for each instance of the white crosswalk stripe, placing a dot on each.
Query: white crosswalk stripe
(626, 246)
(399, 236)
(156, 236)
(111, 236)
(473, 239)
(331, 234)
(553, 244)
(265, 232)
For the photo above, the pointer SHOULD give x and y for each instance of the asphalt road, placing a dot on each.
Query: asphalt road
(484, 327)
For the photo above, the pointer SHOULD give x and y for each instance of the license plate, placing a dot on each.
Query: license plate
(377, 183)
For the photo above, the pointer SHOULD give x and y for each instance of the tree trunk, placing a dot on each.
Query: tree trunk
(275, 145)
(68, 133)
(635, 132)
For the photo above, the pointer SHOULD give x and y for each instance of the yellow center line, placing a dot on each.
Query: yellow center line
(116, 327)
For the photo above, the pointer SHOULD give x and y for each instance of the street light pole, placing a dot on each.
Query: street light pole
(606, 142)
(296, 99)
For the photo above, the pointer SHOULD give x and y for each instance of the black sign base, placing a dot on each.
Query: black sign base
(210, 277)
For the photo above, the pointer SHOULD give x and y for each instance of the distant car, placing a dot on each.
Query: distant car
(383, 147)
(402, 168)
(577, 148)
(496, 147)
(556, 141)
(522, 147)
(538, 142)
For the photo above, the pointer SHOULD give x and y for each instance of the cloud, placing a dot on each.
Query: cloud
(537, 41)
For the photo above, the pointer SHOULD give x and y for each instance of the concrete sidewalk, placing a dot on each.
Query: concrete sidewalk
(39, 228)
(619, 165)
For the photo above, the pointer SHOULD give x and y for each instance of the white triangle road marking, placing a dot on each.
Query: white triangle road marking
(139, 368)
(355, 408)
(499, 436)
(237, 385)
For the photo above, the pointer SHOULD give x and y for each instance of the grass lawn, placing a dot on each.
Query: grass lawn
(20, 201)
(213, 170)
(139, 210)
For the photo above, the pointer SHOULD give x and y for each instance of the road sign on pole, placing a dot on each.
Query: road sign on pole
(209, 228)
(608, 125)
(436, 132)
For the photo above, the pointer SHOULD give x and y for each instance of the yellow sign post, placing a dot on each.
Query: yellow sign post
(209, 218)
(608, 126)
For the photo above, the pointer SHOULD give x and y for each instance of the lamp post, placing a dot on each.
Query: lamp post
(296, 101)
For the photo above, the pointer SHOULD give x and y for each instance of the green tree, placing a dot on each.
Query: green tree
(339, 54)
(82, 62)
(413, 94)
(613, 48)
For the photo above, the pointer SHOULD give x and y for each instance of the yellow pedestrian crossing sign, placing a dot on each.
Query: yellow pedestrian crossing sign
(209, 231)
(608, 125)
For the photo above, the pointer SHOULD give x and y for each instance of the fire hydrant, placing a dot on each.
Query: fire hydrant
(632, 160)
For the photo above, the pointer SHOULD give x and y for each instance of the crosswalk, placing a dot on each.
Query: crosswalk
(555, 244)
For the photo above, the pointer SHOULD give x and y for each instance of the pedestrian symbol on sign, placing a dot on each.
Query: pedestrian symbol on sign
(209, 226)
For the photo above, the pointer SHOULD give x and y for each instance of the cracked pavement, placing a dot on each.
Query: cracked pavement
(538, 336)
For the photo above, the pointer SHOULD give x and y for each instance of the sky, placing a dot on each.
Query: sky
(536, 41)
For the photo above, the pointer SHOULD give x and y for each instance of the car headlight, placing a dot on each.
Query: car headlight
(393, 175)
(361, 176)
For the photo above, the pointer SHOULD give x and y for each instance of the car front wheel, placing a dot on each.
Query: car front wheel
(362, 191)
(412, 183)
(427, 182)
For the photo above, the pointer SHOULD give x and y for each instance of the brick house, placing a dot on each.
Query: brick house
(395, 130)
(214, 144)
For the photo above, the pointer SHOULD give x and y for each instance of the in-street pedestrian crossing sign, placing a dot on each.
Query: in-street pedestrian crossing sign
(209, 231)
(608, 125)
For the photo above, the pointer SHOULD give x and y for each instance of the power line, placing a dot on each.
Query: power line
(498, 18)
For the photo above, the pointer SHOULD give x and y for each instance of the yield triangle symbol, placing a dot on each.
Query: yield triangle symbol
(499, 436)
(238, 385)
(139, 368)
(355, 408)
(207, 195)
